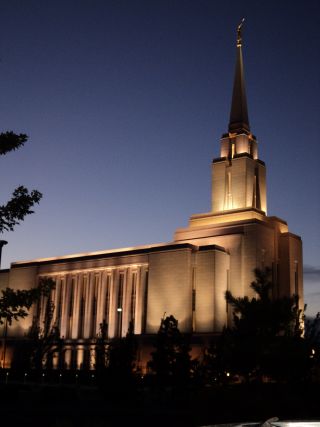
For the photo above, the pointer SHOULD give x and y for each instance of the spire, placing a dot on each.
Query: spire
(239, 121)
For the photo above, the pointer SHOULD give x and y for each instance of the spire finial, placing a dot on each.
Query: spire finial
(239, 34)
(239, 121)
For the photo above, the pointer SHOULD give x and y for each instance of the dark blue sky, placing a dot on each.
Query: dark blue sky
(125, 101)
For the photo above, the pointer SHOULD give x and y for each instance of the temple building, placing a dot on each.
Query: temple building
(187, 277)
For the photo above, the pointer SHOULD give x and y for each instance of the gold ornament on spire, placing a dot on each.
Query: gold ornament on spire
(239, 35)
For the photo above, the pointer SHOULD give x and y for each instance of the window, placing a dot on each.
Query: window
(107, 303)
(82, 301)
(81, 317)
(193, 300)
(296, 278)
(70, 309)
(94, 306)
(233, 150)
(59, 304)
(119, 305)
(133, 297)
(145, 303)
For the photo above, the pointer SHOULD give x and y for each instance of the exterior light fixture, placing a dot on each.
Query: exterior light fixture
(119, 309)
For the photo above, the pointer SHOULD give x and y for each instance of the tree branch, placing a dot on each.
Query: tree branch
(10, 141)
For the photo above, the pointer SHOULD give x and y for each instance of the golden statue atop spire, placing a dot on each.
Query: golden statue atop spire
(239, 120)
(239, 35)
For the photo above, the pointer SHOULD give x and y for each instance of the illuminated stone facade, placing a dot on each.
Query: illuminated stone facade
(188, 277)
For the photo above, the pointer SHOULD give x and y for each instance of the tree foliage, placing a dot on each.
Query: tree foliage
(171, 360)
(36, 351)
(101, 348)
(22, 201)
(267, 334)
(116, 360)
(15, 303)
(44, 340)
(122, 353)
(10, 141)
(264, 316)
(18, 207)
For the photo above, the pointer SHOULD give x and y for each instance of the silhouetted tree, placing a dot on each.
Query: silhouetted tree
(312, 334)
(121, 354)
(213, 367)
(266, 338)
(101, 348)
(44, 340)
(171, 360)
(115, 361)
(312, 330)
(263, 315)
(15, 305)
(22, 200)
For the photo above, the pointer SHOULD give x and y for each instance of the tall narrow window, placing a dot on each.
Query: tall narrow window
(49, 310)
(233, 150)
(82, 307)
(119, 304)
(71, 297)
(255, 191)
(70, 309)
(229, 191)
(81, 317)
(59, 308)
(133, 298)
(296, 278)
(193, 300)
(94, 307)
(37, 317)
(145, 302)
(107, 304)
(94, 317)
(228, 288)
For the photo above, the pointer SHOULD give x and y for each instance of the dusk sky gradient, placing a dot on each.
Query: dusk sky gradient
(125, 102)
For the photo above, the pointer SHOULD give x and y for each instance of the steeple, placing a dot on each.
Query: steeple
(238, 175)
(239, 121)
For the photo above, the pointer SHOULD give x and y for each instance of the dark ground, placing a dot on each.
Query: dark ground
(69, 406)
